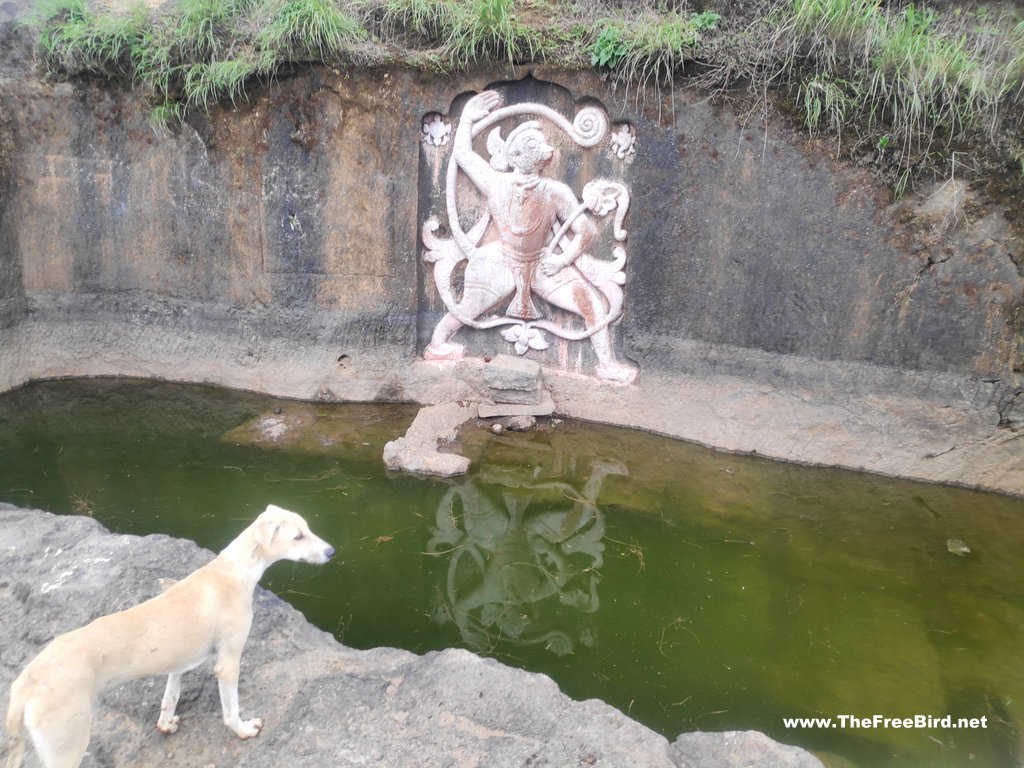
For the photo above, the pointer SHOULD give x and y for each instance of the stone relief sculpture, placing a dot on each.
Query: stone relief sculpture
(544, 234)
(623, 141)
(435, 131)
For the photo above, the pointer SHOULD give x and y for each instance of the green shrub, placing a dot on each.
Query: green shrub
(610, 49)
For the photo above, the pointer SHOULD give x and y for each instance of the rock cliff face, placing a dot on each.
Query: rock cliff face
(309, 201)
(322, 703)
(276, 245)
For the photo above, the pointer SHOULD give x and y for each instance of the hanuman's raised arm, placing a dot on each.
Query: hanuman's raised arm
(476, 109)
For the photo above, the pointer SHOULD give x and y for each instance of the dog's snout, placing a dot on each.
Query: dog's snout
(329, 552)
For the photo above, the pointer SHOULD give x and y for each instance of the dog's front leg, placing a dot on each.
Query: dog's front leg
(226, 671)
(168, 722)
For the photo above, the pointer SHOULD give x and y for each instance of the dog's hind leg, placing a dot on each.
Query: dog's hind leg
(60, 730)
(168, 722)
(15, 727)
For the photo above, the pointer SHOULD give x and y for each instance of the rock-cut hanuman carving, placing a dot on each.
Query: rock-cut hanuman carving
(543, 233)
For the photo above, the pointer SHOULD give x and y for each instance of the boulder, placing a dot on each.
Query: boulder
(738, 749)
(418, 450)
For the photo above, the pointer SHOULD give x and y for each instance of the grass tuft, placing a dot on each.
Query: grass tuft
(648, 51)
(650, 48)
(465, 33)
(490, 28)
(203, 52)
(825, 103)
(209, 82)
(430, 19)
(166, 115)
(73, 38)
(303, 30)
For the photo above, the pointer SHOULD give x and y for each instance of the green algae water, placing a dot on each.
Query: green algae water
(692, 590)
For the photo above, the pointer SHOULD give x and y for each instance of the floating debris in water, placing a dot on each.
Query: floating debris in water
(957, 547)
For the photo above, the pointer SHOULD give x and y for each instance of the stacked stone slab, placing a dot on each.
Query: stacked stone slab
(514, 386)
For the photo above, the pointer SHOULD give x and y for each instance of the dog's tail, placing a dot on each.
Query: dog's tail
(15, 732)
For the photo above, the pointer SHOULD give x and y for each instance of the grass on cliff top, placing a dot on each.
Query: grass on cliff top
(904, 81)
(461, 34)
(201, 52)
(902, 85)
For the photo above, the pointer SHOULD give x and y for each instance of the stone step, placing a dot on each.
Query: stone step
(545, 407)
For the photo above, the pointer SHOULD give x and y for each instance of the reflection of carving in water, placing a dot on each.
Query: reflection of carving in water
(513, 570)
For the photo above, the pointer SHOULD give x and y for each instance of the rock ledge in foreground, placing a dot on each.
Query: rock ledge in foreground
(322, 703)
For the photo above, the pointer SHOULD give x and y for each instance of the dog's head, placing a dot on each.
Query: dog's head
(284, 535)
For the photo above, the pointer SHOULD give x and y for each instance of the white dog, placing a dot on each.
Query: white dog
(208, 612)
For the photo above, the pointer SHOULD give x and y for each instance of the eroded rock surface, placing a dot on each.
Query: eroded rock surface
(738, 749)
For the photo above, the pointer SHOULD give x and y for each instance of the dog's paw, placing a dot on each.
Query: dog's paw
(170, 726)
(249, 728)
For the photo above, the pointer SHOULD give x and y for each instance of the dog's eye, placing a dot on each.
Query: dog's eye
(299, 536)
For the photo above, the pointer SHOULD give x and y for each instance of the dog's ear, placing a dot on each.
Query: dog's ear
(264, 535)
